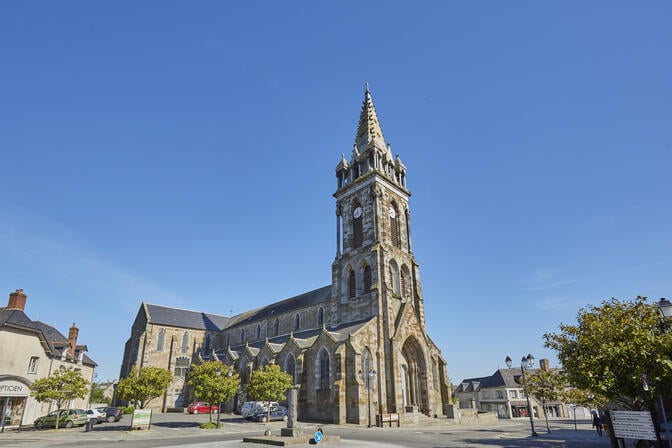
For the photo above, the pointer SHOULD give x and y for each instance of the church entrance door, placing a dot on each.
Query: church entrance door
(414, 376)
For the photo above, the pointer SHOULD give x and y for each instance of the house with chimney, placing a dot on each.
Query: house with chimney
(30, 350)
(503, 393)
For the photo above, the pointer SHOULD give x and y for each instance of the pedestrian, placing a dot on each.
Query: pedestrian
(597, 423)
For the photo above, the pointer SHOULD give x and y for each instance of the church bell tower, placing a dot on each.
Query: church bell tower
(374, 272)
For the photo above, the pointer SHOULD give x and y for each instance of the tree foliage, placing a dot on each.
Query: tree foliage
(97, 394)
(546, 386)
(580, 397)
(213, 382)
(269, 384)
(62, 386)
(143, 385)
(618, 351)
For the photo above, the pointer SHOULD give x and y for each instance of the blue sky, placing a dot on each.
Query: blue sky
(184, 155)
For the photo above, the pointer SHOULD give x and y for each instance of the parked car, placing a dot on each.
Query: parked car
(112, 414)
(250, 408)
(95, 414)
(67, 418)
(201, 407)
(277, 413)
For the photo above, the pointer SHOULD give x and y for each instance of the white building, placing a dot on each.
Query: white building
(30, 350)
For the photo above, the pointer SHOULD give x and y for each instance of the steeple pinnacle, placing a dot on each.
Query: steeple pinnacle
(369, 127)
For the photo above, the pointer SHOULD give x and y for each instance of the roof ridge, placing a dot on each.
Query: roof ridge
(183, 309)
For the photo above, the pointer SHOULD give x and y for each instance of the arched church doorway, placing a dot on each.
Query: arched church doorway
(414, 376)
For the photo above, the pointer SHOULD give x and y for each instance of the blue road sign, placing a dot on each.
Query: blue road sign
(318, 437)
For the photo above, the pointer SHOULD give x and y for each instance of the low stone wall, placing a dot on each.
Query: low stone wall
(467, 418)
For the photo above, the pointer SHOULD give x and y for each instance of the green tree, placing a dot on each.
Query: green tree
(213, 382)
(546, 386)
(580, 397)
(97, 394)
(62, 386)
(618, 351)
(143, 385)
(269, 384)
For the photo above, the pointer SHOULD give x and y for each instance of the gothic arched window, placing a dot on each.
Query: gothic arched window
(320, 316)
(277, 327)
(352, 285)
(394, 225)
(323, 370)
(367, 278)
(161, 340)
(394, 277)
(181, 366)
(243, 369)
(290, 367)
(242, 335)
(258, 331)
(207, 344)
(405, 282)
(185, 342)
(297, 322)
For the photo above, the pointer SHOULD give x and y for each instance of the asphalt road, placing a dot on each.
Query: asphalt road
(169, 430)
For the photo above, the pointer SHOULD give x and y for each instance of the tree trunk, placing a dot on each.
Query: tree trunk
(548, 427)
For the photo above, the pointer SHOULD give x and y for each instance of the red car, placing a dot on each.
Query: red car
(201, 407)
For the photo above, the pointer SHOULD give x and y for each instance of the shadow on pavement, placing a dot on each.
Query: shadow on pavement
(178, 424)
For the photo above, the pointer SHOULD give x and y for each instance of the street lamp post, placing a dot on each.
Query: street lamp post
(526, 363)
(219, 404)
(368, 377)
(665, 309)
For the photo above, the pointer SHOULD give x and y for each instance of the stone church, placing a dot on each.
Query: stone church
(356, 348)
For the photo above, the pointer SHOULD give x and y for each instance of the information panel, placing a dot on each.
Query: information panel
(633, 425)
(142, 419)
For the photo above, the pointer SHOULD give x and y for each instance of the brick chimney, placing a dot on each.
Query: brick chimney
(72, 339)
(17, 300)
(544, 364)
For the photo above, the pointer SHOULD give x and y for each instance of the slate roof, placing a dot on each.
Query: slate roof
(293, 303)
(175, 317)
(501, 378)
(16, 317)
(54, 339)
(303, 338)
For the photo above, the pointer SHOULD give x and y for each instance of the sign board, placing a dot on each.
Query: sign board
(142, 419)
(12, 388)
(318, 436)
(633, 425)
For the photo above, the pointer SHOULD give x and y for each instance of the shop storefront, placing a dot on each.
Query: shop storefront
(13, 396)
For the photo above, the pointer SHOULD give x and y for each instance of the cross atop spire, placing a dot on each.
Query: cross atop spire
(369, 126)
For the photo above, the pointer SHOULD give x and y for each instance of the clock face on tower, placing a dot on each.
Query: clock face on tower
(392, 213)
(358, 212)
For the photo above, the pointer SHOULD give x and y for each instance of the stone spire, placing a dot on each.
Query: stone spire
(369, 127)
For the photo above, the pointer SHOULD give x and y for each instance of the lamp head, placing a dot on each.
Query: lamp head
(665, 307)
(508, 361)
(530, 359)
